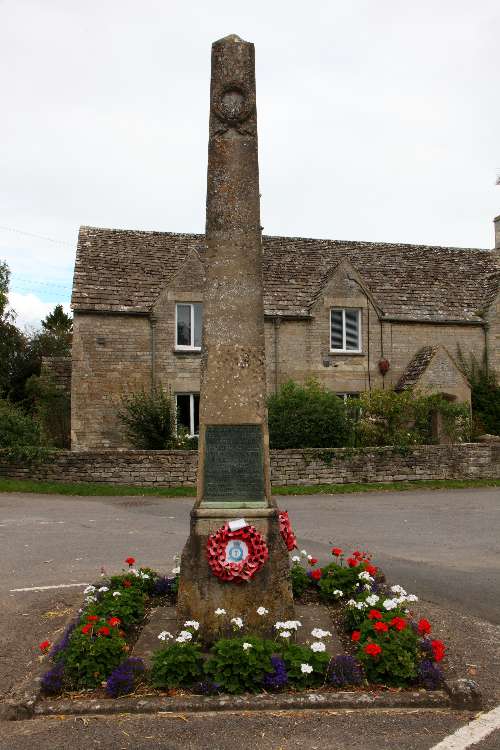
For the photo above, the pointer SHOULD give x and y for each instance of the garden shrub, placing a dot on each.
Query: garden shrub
(306, 416)
(337, 578)
(389, 656)
(52, 408)
(305, 668)
(149, 419)
(300, 580)
(485, 393)
(20, 434)
(178, 665)
(128, 606)
(239, 665)
(93, 652)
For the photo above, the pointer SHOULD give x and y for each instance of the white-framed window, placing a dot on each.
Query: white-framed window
(346, 396)
(188, 411)
(345, 329)
(188, 318)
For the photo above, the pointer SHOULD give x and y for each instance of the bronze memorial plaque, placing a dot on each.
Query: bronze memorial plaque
(233, 463)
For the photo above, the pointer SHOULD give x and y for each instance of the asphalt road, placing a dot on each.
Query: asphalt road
(442, 545)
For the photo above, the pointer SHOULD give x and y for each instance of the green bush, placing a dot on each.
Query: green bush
(397, 663)
(90, 658)
(306, 416)
(295, 656)
(335, 577)
(52, 407)
(20, 434)
(485, 394)
(239, 665)
(128, 606)
(300, 579)
(178, 665)
(149, 419)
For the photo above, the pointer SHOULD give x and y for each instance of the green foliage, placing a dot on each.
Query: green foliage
(239, 670)
(52, 406)
(129, 606)
(485, 394)
(4, 287)
(306, 416)
(149, 419)
(294, 656)
(397, 664)
(335, 577)
(183, 441)
(178, 665)
(90, 658)
(20, 435)
(300, 580)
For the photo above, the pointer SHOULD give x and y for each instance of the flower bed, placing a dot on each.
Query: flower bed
(385, 644)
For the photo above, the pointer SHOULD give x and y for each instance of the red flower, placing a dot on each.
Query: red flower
(352, 562)
(381, 627)
(374, 614)
(424, 626)
(92, 618)
(44, 646)
(313, 561)
(127, 583)
(316, 574)
(87, 628)
(439, 650)
(398, 622)
(357, 554)
(355, 635)
(371, 569)
(337, 551)
(114, 621)
(104, 630)
(372, 649)
(130, 561)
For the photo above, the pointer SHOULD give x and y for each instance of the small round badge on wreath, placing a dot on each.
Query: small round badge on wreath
(236, 555)
(286, 531)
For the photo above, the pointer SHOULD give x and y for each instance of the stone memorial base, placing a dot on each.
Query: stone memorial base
(201, 592)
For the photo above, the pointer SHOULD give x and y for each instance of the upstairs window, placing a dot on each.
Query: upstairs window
(188, 412)
(188, 317)
(345, 330)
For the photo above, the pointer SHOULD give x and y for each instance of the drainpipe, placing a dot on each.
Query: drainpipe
(276, 323)
(152, 322)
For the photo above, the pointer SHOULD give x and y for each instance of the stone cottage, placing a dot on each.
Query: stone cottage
(355, 315)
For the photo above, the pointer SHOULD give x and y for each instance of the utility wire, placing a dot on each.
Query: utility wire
(38, 236)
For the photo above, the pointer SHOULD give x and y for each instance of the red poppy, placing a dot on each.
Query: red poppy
(313, 561)
(374, 614)
(114, 621)
(130, 561)
(371, 569)
(381, 627)
(398, 622)
(373, 649)
(337, 551)
(127, 583)
(352, 562)
(92, 618)
(316, 574)
(355, 635)
(87, 628)
(424, 626)
(439, 650)
(44, 646)
(104, 630)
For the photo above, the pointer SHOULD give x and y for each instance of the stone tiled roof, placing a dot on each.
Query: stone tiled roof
(416, 368)
(125, 270)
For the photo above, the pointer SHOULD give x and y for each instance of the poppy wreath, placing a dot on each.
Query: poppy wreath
(286, 531)
(236, 572)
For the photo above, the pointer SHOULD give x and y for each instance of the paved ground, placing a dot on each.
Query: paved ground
(444, 546)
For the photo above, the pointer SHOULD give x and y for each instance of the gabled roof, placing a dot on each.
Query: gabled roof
(416, 368)
(125, 270)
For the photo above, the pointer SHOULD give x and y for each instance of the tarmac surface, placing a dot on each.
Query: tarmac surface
(441, 545)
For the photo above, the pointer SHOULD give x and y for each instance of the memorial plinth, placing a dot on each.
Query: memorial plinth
(233, 469)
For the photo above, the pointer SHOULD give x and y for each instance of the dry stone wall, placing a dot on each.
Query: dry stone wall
(288, 467)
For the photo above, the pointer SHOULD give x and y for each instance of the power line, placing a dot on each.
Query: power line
(38, 236)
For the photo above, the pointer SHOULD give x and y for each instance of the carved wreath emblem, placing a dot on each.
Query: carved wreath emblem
(286, 531)
(236, 555)
(233, 103)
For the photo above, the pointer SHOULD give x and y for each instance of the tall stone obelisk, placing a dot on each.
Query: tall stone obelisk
(233, 471)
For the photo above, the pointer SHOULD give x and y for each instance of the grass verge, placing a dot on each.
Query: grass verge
(102, 490)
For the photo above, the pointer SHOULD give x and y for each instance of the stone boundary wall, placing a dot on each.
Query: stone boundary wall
(288, 467)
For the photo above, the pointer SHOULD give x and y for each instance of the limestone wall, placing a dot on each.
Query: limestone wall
(288, 467)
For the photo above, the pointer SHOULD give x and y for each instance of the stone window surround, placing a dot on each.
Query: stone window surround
(345, 351)
(183, 348)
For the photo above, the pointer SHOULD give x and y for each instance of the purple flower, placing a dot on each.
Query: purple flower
(122, 679)
(345, 670)
(207, 687)
(426, 646)
(429, 674)
(63, 643)
(163, 586)
(278, 678)
(52, 681)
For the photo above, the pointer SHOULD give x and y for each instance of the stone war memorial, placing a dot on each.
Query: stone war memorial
(239, 616)
(235, 557)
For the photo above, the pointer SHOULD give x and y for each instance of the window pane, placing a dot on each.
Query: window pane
(351, 329)
(336, 320)
(183, 411)
(183, 325)
(196, 398)
(197, 315)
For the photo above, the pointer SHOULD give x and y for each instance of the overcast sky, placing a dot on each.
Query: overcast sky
(378, 120)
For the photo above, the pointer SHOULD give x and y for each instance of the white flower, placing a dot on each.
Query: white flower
(279, 625)
(303, 553)
(309, 557)
(176, 571)
(306, 668)
(285, 634)
(292, 624)
(389, 604)
(237, 621)
(185, 635)
(351, 603)
(372, 600)
(164, 635)
(89, 599)
(295, 558)
(365, 576)
(318, 646)
(192, 624)
(397, 589)
(412, 598)
(180, 639)
(89, 590)
(246, 646)
(338, 593)
(134, 571)
(262, 611)
(144, 576)
(220, 611)
(103, 588)
(116, 593)
(318, 633)
(361, 605)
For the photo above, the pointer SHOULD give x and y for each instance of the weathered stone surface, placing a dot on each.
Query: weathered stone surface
(162, 618)
(317, 616)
